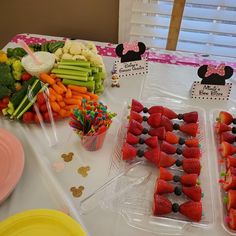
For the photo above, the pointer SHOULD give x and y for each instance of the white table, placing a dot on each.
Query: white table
(40, 187)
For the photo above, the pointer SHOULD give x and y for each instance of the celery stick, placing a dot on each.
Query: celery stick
(89, 84)
(74, 68)
(95, 69)
(91, 78)
(73, 77)
(69, 72)
(75, 63)
(100, 90)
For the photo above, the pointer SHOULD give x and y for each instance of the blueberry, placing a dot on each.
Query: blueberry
(180, 116)
(145, 118)
(181, 141)
(176, 126)
(145, 110)
(140, 153)
(175, 207)
(179, 151)
(178, 163)
(145, 131)
(176, 178)
(141, 140)
(178, 191)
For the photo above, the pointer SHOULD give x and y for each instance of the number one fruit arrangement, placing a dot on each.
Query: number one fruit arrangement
(158, 135)
(225, 131)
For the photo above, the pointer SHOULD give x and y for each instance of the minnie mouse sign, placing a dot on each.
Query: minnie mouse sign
(213, 86)
(131, 62)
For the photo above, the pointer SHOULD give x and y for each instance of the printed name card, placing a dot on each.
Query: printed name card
(131, 62)
(213, 86)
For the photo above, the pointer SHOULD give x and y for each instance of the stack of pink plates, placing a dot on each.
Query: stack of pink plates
(11, 163)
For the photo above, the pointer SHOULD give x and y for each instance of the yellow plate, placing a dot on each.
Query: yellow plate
(41, 222)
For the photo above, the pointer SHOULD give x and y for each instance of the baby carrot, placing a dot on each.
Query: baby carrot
(77, 88)
(72, 101)
(59, 97)
(61, 85)
(68, 93)
(93, 96)
(62, 104)
(77, 97)
(53, 76)
(64, 113)
(52, 97)
(58, 89)
(55, 106)
(71, 107)
(47, 78)
(83, 95)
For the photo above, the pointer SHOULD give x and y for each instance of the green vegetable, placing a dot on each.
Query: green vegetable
(74, 68)
(75, 63)
(72, 77)
(16, 52)
(7, 82)
(69, 72)
(17, 69)
(90, 85)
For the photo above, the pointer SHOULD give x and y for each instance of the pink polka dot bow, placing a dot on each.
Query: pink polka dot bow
(133, 46)
(211, 69)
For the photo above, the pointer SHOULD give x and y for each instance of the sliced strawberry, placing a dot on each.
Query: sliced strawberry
(163, 187)
(231, 203)
(192, 142)
(166, 123)
(169, 113)
(135, 116)
(154, 120)
(232, 217)
(156, 109)
(128, 152)
(168, 148)
(135, 127)
(221, 127)
(194, 192)
(225, 117)
(132, 139)
(153, 155)
(171, 138)
(191, 166)
(160, 132)
(152, 142)
(189, 128)
(192, 210)
(230, 162)
(165, 174)
(136, 106)
(191, 152)
(166, 160)
(227, 149)
(230, 181)
(161, 205)
(232, 171)
(227, 137)
(189, 179)
(190, 117)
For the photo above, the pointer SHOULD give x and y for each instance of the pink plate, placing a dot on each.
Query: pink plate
(11, 163)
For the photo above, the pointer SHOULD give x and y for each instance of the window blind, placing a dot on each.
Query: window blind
(208, 26)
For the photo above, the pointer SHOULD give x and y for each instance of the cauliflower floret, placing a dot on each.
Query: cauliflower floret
(91, 46)
(87, 53)
(68, 44)
(76, 48)
(65, 50)
(66, 56)
(79, 57)
(96, 60)
(58, 53)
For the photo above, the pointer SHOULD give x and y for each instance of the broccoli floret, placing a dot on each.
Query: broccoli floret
(7, 82)
(17, 69)
(16, 52)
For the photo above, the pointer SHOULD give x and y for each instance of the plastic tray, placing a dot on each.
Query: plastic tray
(131, 192)
(220, 169)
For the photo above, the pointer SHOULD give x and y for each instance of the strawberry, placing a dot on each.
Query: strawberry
(156, 109)
(189, 179)
(228, 137)
(221, 127)
(191, 166)
(232, 171)
(227, 149)
(190, 117)
(135, 127)
(232, 217)
(132, 139)
(166, 123)
(136, 106)
(154, 120)
(165, 174)
(128, 152)
(135, 116)
(191, 152)
(168, 148)
(192, 142)
(171, 137)
(161, 205)
(153, 155)
(192, 210)
(231, 203)
(152, 142)
(40, 99)
(194, 193)
(225, 117)
(165, 160)
(230, 161)
(230, 181)
(160, 132)
(169, 113)
(189, 128)
(163, 187)
(43, 108)
(28, 117)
